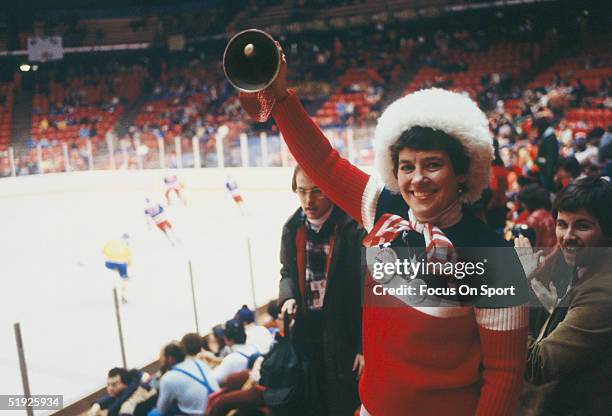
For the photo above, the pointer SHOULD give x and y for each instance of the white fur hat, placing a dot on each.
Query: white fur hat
(454, 114)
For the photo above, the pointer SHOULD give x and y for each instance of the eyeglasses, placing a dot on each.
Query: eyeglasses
(315, 193)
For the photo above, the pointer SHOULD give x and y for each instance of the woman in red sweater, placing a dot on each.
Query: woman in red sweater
(433, 152)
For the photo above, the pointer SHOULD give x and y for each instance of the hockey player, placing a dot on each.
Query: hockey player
(173, 184)
(155, 213)
(119, 258)
(232, 187)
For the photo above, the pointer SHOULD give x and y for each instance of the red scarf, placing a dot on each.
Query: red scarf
(437, 245)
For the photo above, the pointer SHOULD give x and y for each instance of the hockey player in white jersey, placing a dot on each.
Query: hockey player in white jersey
(173, 185)
(232, 187)
(156, 214)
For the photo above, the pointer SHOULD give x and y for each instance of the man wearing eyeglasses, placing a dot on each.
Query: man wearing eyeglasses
(320, 287)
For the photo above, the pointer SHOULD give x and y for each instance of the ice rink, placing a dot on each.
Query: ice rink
(55, 285)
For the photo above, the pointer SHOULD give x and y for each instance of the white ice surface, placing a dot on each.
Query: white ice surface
(55, 285)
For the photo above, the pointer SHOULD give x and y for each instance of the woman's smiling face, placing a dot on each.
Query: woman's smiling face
(427, 181)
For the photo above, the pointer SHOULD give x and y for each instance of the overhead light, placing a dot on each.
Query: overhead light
(24, 67)
(34, 67)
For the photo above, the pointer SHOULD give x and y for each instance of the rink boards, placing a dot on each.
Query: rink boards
(56, 287)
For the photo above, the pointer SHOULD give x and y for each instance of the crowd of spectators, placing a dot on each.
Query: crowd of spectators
(188, 97)
(183, 95)
(196, 371)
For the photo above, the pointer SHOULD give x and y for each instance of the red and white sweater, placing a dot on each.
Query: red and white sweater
(419, 361)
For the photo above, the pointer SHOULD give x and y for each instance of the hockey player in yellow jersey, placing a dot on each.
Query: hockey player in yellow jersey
(119, 258)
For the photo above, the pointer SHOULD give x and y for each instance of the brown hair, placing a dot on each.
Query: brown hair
(426, 138)
(175, 350)
(192, 343)
(297, 169)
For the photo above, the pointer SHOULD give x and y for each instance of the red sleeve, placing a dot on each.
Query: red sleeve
(503, 340)
(339, 180)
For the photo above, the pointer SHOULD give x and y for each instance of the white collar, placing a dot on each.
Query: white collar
(317, 224)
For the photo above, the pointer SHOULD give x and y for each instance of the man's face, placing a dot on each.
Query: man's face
(312, 200)
(114, 386)
(578, 233)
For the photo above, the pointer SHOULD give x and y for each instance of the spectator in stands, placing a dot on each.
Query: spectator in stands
(319, 286)
(349, 117)
(241, 393)
(568, 170)
(605, 86)
(185, 384)
(588, 155)
(606, 139)
(192, 343)
(341, 110)
(242, 356)
(126, 391)
(256, 335)
(605, 155)
(548, 151)
(573, 348)
(496, 209)
(536, 200)
(219, 336)
(116, 383)
(241, 390)
(214, 349)
(433, 154)
(271, 322)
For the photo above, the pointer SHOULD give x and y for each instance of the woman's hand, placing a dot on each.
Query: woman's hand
(529, 260)
(279, 87)
(259, 105)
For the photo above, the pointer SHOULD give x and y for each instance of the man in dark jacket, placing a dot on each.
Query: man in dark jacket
(126, 391)
(321, 287)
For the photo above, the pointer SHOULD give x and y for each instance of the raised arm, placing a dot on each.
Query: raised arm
(346, 185)
(339, 180)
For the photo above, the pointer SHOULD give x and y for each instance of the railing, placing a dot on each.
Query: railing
(224, 150)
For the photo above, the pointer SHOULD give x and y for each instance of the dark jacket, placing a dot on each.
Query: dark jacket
(132, 400)
(341, 313)
(548, 154)
(574, 351)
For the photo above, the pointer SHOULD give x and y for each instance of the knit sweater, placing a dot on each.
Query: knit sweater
(425, 361)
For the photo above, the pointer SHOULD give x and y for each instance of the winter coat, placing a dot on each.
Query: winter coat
(341, 312)
(573, 351)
